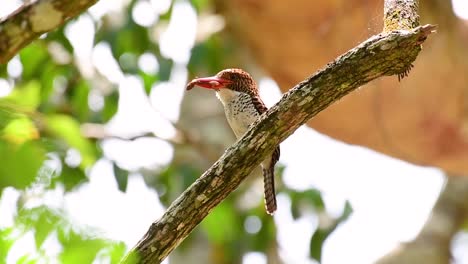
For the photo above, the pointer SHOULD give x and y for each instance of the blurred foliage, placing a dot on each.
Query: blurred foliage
(41, 122)
(121, 177)
(49, 226)
(322, 232)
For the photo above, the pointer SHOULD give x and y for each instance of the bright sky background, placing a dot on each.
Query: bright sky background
(380, 221)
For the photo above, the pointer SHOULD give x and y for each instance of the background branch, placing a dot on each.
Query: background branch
(32, 20)
(384, 54)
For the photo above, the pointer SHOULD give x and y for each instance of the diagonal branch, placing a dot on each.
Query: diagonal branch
(32, 20)
(385, 54)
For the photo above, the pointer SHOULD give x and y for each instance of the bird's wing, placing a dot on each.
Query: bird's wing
(276, 155)
(261, 108)
(259, 105)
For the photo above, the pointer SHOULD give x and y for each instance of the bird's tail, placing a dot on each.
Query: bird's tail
(269, 188)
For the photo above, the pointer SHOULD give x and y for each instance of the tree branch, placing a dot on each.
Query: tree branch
(384, 54)
(32, 20)
(400, 14)
(432, 245)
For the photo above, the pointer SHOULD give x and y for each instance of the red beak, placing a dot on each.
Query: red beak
(214, 83)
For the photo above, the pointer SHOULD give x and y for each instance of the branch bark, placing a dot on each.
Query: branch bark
(32, 20)
(432, 245)
(400, 14)
(384, 54)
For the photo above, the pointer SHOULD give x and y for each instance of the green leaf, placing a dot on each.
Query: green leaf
(295, 209)
(208, 55)
(47, 80)
(321, 234)
(20, 163)
(6, 241)
(165, 184)
(189, 174)
(46, 222)
(81, 252)
(8, 112)
(347, 211)
(33, 58)
(148, 80)
(121, 177)
(316, 243)
(110, 106)
(311, 197)
(27, 96)
(165, 68)
(50, 74)
(223, 213)
(173, 180)
(26, 259)
(78, 249)
(79, 100)
(200, 4)
(125, 40)
(315, 197)
(117, 252)
(71, 177)
(68, 129)
(4, 72)
(266, 237)
(20, 130)
(132, 258)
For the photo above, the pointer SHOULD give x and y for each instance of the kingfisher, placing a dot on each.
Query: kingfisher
(238, 92)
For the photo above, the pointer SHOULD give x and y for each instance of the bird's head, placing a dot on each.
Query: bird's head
(234, 79)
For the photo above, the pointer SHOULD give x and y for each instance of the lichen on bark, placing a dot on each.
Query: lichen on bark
(400, 14)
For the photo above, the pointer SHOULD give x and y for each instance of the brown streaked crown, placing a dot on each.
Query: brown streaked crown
(241, 81)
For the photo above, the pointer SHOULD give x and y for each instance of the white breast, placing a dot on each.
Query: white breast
(239, 109)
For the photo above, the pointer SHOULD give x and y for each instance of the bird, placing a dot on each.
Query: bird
(238, 92)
